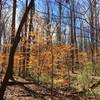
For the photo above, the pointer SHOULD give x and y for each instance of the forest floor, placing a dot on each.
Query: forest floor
(32, 91)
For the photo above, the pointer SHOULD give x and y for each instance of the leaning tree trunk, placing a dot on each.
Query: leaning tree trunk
(12, 53)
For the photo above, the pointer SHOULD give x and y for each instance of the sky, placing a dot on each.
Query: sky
(40, 5)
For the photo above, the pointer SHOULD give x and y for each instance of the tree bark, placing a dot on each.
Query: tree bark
(13, 28)
(0, 21)
(24, 47)
(59, 26)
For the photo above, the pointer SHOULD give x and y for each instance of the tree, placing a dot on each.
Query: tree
(59, 21)
(17, 38)
(75, 38)
(24, 46)
(48, 21)
(13, 25)
(72, 33)
(31, 29)
(0, 20)
(92, 32)
(81, 36)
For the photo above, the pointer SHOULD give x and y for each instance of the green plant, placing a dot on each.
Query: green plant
(84, 76)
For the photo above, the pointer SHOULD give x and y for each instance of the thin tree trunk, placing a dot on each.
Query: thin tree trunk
(59, 26)
(24, 46)
(92, 36)
(81, 37)
(0, 21)
(72, 39)
(13, 28)
(75, 40)
(32, 11)
(48, 21)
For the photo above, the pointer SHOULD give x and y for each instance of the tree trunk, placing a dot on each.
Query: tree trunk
(32, 11)
(13, 29)
(92, 35)
(59, 26)
(75, 40)
(0, 21)
(24, 47)
(72, 38)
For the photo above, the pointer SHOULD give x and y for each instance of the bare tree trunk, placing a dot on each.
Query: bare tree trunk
(75, 40)
(32, 11)
(96, 32)
(59, 26)
(81, 36)
(72, 36)
(13, 21)
(0, 21)
(92, 35)
(13, 28)
(24, 47)
(48, 21)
